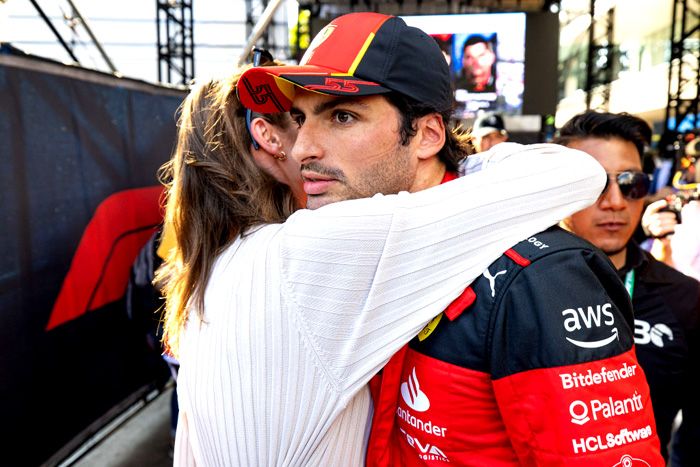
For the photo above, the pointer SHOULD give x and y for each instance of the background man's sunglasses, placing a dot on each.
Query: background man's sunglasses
(261, 57)
(633, 185)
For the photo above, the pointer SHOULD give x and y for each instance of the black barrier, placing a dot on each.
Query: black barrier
(73, 145)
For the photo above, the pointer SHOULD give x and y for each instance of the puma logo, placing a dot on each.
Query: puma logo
(492, 280)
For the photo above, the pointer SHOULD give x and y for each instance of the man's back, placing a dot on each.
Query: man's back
(535, 365)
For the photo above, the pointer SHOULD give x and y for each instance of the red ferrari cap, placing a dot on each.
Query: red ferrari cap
(357, 54)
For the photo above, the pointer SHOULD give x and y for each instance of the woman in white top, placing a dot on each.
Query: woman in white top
(278, 326)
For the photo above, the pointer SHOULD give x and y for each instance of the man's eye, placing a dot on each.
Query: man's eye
(298, 119)
(343, 117)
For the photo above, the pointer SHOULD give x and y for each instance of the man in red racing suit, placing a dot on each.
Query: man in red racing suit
(533, 364)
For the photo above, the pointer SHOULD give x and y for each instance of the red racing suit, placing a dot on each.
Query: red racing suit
(534, 364)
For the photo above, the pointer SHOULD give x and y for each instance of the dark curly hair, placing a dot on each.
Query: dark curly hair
(457, 142)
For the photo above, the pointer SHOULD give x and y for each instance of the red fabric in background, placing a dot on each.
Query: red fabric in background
(99, 271)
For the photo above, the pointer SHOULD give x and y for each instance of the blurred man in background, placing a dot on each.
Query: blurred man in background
(488, 131)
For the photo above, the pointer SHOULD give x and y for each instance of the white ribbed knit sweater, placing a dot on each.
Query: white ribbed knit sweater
(299, 316)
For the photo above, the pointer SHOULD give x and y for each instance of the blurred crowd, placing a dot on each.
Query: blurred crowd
(671, 221)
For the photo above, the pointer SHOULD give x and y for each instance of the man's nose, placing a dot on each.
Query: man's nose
(613, 198)
(307, 147)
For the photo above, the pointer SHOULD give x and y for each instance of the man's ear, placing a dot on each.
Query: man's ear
(265, 135)
(430, 135)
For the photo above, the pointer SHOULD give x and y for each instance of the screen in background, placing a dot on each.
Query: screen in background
(486, 53)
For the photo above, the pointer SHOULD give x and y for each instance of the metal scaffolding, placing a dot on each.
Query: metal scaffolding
(253, 12)
(260, 26)
(600, 63)
(174, 24)
(684, 67)
(75, 21)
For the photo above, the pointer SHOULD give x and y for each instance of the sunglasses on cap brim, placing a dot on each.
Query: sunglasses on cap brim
(261, 57)
(632, 184)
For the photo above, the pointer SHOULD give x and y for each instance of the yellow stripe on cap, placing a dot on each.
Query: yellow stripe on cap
(360, 54)
(286, 87)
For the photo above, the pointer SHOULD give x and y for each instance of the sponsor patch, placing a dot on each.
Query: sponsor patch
(644, 333)
(587, 318)
(412, 395)
(602, 376)
(610, 440)
(429, 328)
(582, 412)
(426, 451)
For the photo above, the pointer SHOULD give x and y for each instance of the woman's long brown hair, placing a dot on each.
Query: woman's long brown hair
(215, 193)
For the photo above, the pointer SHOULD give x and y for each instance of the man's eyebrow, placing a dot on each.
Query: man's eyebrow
(327, 105)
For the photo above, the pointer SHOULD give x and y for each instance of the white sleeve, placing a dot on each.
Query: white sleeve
(362, 277)
(494, 156)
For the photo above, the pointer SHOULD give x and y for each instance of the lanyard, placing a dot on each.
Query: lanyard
(629, 282)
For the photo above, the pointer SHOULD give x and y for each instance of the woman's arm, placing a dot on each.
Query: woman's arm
(364, 276)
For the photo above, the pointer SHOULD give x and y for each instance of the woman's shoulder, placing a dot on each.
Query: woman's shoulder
(254, 238)
(239, 257)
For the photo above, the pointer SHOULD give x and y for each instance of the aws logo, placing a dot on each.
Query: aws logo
(590, 317)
